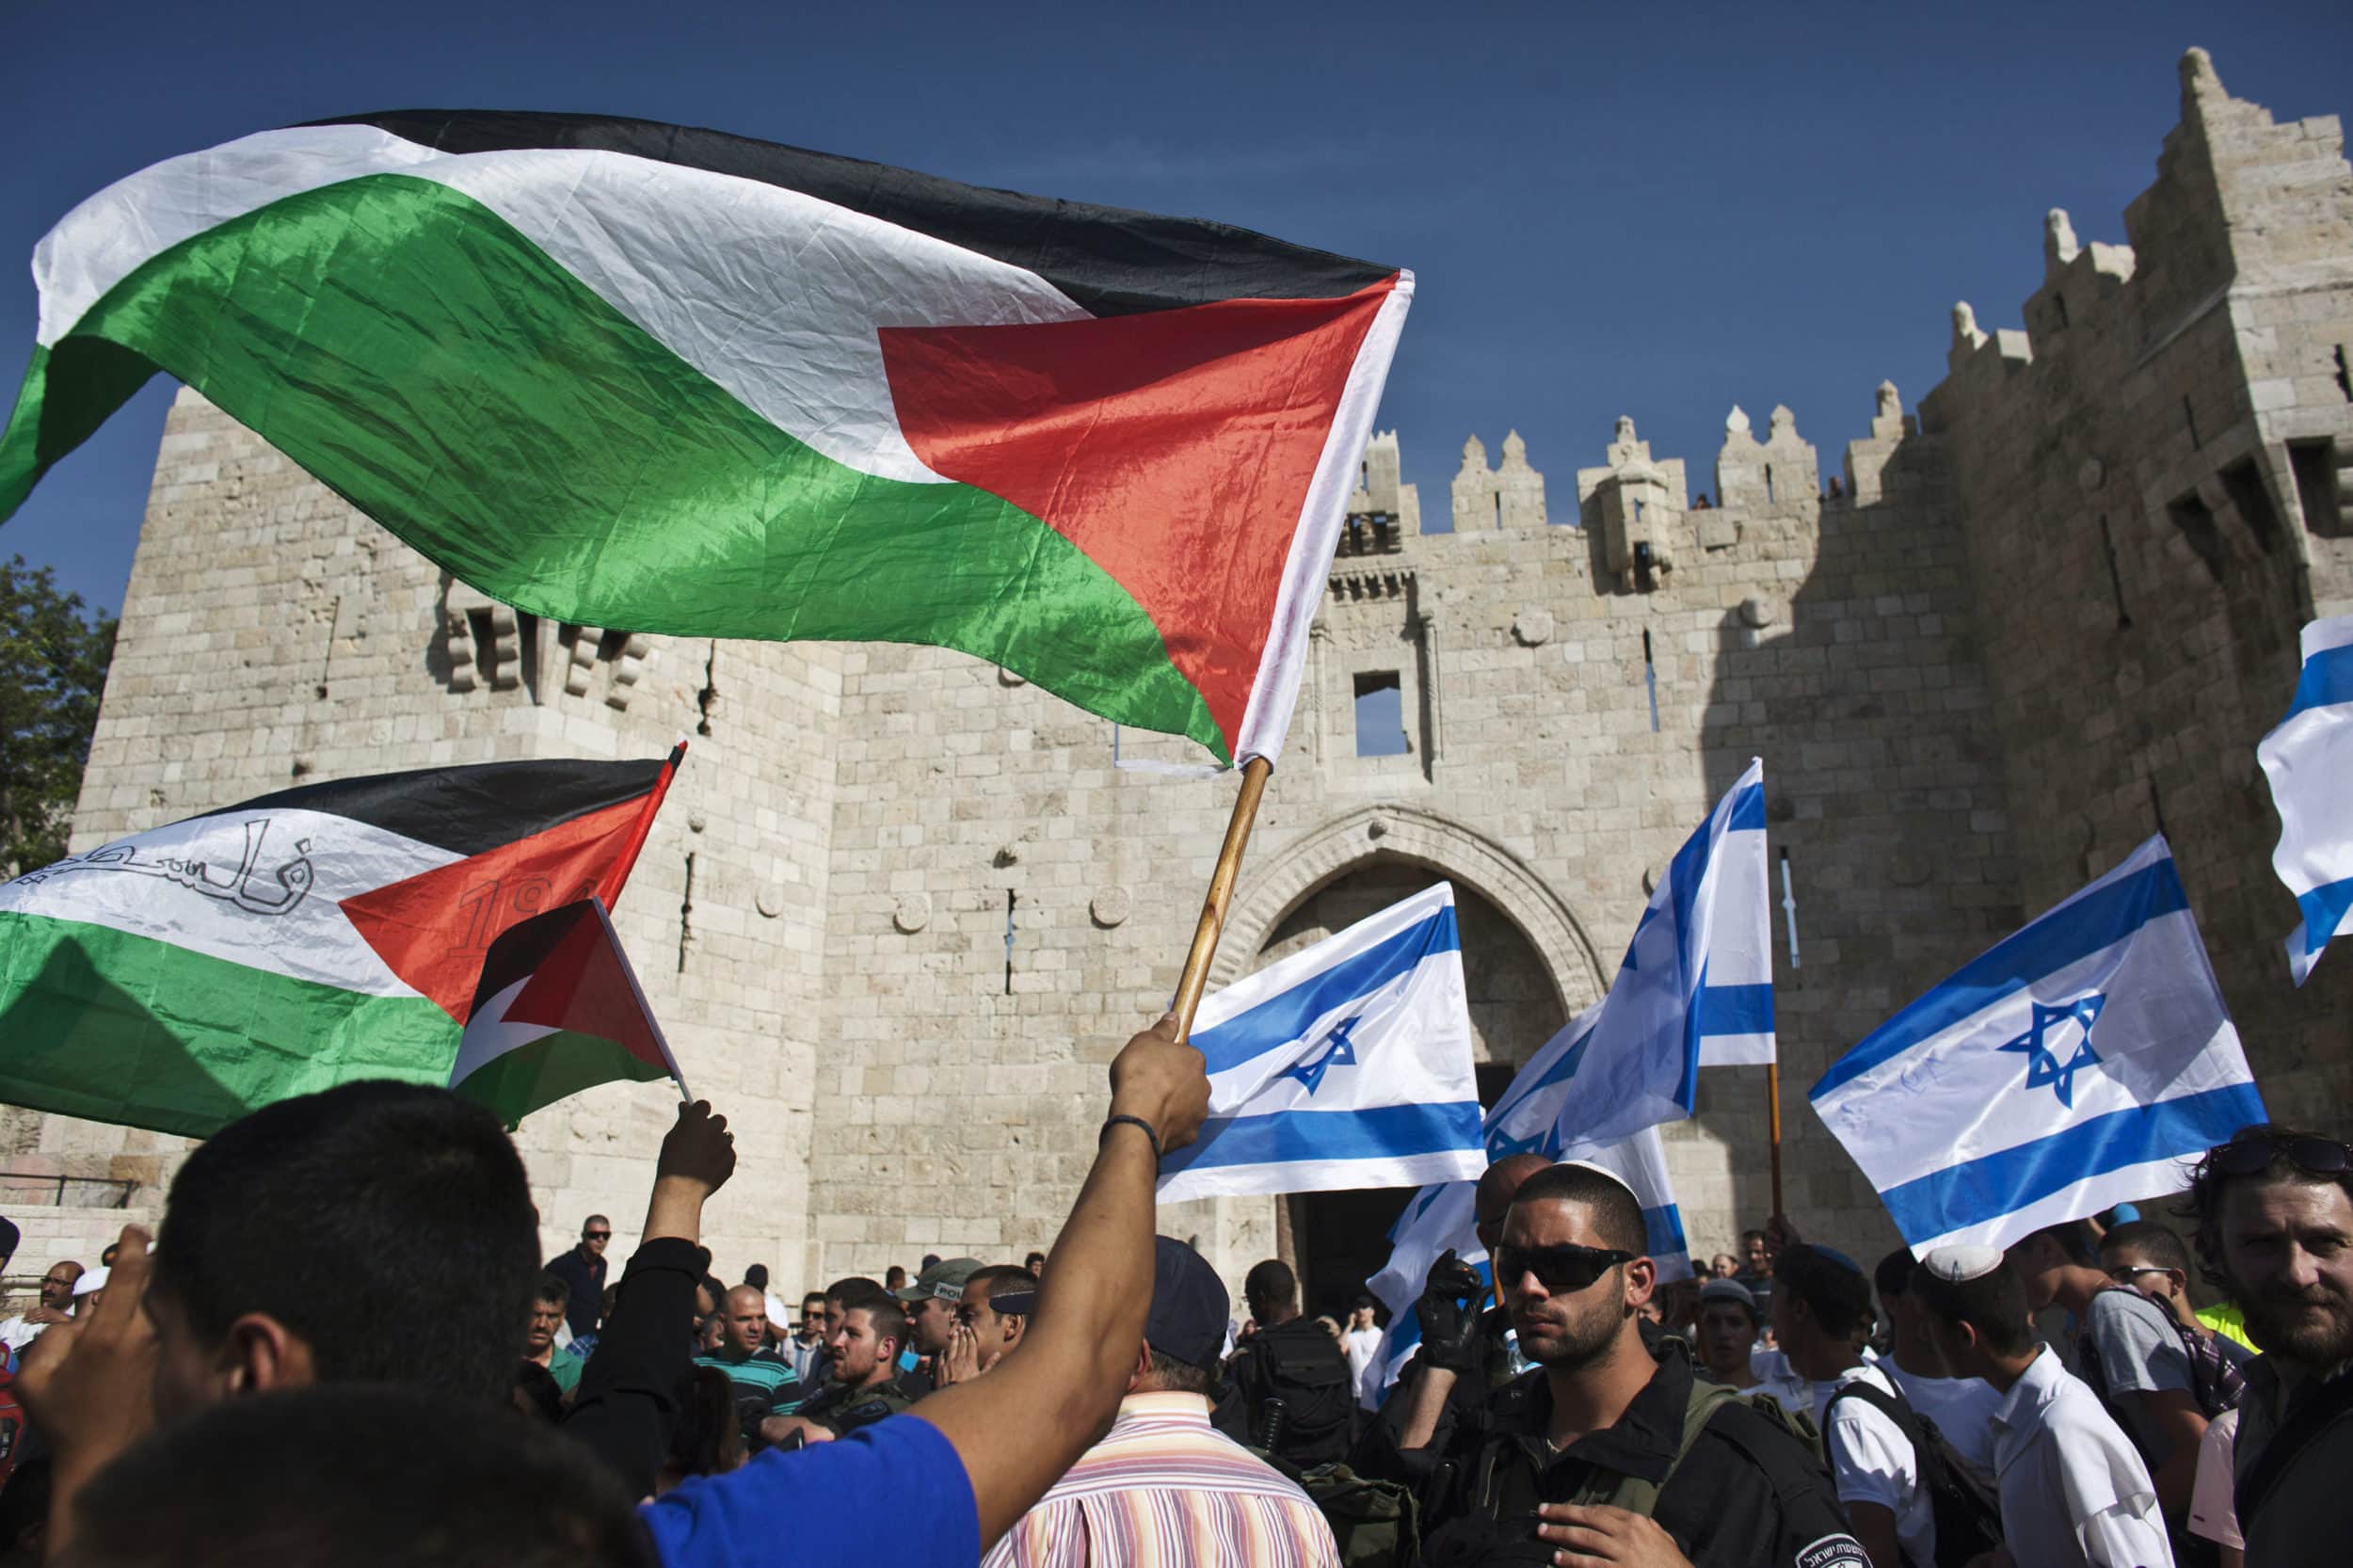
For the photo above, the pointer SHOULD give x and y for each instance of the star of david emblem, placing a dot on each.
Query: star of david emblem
(2043, 1067)
(1338, 1051)
(1502, 1145)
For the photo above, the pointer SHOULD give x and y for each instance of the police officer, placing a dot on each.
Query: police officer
(861, 1369)
(1610, 1448)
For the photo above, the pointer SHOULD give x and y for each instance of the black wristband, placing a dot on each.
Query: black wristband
(1132, 1121)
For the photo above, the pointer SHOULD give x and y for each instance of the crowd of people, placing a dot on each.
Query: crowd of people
(344, 1347)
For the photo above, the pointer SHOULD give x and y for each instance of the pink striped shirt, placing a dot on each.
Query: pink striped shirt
(1165, 1488)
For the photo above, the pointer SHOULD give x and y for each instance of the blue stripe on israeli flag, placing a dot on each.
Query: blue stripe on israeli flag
(1696, 986)
(2084, 1060)
(1345, 1066)
(2308, 760)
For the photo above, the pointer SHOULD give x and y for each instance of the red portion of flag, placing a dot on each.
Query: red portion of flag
(1174, 448)
(582, 984)
(433, 929)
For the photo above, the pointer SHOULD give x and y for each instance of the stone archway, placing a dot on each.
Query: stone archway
(1275, 887)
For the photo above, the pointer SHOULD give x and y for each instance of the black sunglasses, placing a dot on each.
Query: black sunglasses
(595, 1235)
(2313, 1156)
(1562, 1268)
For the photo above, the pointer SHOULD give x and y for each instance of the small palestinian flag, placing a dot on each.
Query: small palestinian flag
(626, 374)
(558, 1009)
(179, 978)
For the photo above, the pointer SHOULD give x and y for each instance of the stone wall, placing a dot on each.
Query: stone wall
(2147, 477)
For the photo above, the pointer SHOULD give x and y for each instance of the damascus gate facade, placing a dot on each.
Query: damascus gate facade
(901, 907)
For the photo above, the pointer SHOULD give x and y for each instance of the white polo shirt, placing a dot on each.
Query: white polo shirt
(1870, 1459)
(1962, 1409)
(2074, 1491)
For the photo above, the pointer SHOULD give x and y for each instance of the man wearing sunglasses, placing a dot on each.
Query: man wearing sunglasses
(2274, 1212)
(581, 1269)
(1611, 1451)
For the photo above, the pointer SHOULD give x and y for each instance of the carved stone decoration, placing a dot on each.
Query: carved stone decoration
(1110, 906)
(1757, 614)
(582, 666)
(769, 900)
(913, 914)
(1532, 627)
(628, 665)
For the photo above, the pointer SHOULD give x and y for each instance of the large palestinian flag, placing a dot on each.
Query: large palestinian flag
(625, 373)
(181, 977)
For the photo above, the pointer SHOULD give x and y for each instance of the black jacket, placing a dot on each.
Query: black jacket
(625, 1406)
(1748, 1494)
(584, 1278)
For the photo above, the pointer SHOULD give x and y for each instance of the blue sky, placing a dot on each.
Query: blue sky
(1649, 210)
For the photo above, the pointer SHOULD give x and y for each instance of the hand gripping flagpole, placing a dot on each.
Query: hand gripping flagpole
(1196, 976)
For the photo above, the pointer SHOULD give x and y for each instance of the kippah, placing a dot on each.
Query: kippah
(1840, 1258)
(1728, 1290)
(1589, 1165)
(1955, 1265)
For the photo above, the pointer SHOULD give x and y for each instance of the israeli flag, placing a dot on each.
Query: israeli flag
(1346, 1065)
(2083, 1061)
(1441, 1216)
(2308, 760)
(1695, 990)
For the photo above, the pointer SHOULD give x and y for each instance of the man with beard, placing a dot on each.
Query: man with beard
(2274, 1212)
(1612, 1448)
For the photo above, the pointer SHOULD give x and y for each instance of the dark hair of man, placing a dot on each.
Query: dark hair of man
(2152, 1239)
(1993, 1304)
(1034, 1258)
(818, 1296)
(1838, 1296)
(1003, 1279)
(554, 1288)
(1749, 1236)
(756, 1277)
(2075, 1239)
(860, 1292)
(298, 1476)
(888, 1319)
(843, 1289)
(388, 1224)
(2203, 1205)
(1270, 1285)
(1179, 1377)
(709, 1437)
(1617, 1218)
(1361, 1302)
(1893, 1275)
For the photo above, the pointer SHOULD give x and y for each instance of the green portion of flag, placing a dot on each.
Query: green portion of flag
(118, 1028)
(515, 1084)
(519, 429)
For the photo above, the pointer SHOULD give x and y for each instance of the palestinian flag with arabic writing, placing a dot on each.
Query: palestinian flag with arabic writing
(625, 373)
(181, 977)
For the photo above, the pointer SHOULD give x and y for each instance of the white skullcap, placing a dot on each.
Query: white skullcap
(91, 1282)
(1955, 1265)
(1589, 1165)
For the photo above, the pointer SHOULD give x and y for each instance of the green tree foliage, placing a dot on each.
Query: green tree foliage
(53, 652)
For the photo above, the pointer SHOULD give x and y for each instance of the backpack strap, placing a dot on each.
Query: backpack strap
(2326, 1404)
(1637, 1495)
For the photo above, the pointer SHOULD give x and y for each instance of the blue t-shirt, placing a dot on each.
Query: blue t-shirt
(784, 1509)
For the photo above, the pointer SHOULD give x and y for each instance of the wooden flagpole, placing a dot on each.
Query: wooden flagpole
(1773, 1125)
(1196, 976)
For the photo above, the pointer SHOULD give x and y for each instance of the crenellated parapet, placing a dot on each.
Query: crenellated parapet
(1511, 496)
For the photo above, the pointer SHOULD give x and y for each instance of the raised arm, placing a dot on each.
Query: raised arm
(627, 1405)
(1019, 1428)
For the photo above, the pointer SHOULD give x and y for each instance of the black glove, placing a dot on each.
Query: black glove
(1449, 1312)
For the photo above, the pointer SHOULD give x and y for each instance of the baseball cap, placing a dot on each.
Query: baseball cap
(941, 1281)
(1729, 1290)
(1189, 1305)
